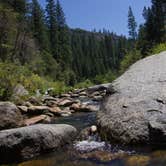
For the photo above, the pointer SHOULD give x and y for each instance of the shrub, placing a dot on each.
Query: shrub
(159, 48)
(58, 88)
(85, 84)
(110, 76)
(10, 76)
(130, 58)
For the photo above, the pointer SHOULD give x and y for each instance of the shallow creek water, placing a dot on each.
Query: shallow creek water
(105, 155)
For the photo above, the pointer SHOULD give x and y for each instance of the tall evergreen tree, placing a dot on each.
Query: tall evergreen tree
(52, 26)
(159, 16)
(132, 25)
(63, 49)
(154, 29)
(60, 16)
(38, 25)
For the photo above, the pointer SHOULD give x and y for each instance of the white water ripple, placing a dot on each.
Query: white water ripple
(86, 146)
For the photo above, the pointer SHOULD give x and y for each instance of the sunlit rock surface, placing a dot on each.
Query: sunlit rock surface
(133, 113)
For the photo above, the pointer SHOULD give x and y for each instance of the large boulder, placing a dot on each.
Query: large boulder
(132, 114)
(10, 116)
(27, 142)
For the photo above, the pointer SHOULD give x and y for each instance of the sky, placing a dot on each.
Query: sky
(99, 14)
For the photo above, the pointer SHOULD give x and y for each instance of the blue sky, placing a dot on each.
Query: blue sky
(99, 14)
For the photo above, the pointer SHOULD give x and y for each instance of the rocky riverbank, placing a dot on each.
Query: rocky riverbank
(46, 108)
(26, 130)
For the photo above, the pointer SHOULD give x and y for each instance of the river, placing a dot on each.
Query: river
(106, 155)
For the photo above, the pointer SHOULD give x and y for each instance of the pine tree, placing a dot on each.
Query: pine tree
(63, 49)
(38, 25)
(52, 26)
(159, 16)
(60, 16)
(132, 25)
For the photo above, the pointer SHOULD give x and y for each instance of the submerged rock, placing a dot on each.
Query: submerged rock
(129, 114)
(137, 160)
(104, 156)
(10, 116)
(27, 142)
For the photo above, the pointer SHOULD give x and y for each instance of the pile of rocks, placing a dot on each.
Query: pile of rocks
(20, 135)
(45, 108)
(19, 143)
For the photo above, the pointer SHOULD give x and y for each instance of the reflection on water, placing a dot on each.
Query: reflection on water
(137, 160)
(104, 159)
(112, 156)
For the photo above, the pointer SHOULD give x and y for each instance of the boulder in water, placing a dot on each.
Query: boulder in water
(27, 142)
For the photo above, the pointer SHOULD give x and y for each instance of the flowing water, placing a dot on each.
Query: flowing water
(93, 153)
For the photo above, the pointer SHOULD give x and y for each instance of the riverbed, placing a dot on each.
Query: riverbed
(109, 155)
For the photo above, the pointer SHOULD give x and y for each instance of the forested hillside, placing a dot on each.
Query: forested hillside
(39, 50)
(96, 53)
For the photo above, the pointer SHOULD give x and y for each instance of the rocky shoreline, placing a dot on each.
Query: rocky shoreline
(46, 108)
(25, 129)
(132, 111)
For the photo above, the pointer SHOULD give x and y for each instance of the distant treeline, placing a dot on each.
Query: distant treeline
(41, 41)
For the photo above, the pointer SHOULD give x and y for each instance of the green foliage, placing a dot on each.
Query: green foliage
(99, 79)
(95, 54)
(85, 84)
(130, 58)
(42, 52)
(159, 48)
(38, 25)
(110, 76)
(18, 5)
(44, 45)
(69, 77)
(44, 65)
(8, 30)
(132, 25)
(11, 75)
(52, 26)
(58, 88)
(153, 31)
(159, 25)
(105, 78)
